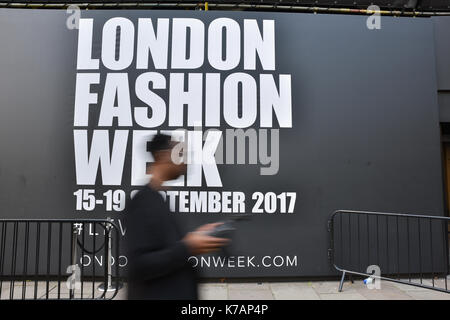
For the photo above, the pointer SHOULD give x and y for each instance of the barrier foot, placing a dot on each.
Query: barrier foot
(342, 281)
(112, 287)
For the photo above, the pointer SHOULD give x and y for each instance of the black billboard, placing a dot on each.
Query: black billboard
(291, 116)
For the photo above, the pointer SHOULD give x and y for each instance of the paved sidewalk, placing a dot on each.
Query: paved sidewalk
(306, 290)
(317, 290)
(314, 290)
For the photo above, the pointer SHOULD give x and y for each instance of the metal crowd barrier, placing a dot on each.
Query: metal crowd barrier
(58, 259)
(408, 249)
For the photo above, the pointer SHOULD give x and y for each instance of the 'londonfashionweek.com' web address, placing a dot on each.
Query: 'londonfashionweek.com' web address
(244, 261)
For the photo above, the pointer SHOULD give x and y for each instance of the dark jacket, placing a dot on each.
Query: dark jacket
(158, 266)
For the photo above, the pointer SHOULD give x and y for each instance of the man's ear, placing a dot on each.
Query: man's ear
(147, 167)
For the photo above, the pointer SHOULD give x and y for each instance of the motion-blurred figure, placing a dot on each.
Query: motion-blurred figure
(158, 251)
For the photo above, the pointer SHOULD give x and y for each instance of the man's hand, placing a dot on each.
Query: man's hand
(199, 242)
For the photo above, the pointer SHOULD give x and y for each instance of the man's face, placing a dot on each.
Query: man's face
(170, 161)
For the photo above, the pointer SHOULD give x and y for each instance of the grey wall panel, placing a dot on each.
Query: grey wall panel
(442, 45)
(444, 106)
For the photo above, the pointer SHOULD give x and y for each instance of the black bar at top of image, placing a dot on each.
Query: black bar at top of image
(400, 5)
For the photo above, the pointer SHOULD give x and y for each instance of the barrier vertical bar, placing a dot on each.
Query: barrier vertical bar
(341, 249)
(407, 233)
(82, 259)
(36, 266)
(378, 247)
(93, 261)
(73, 251)
(106, 283)
(13, 262)
(398, 249)
(49, 251)
(387, 245)
(420, 252)
(359, 245)
(25, 262)
(350, 239)
(368, 240)
(2, 254)
(60, 258)
(431, 252)
(118, 285)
